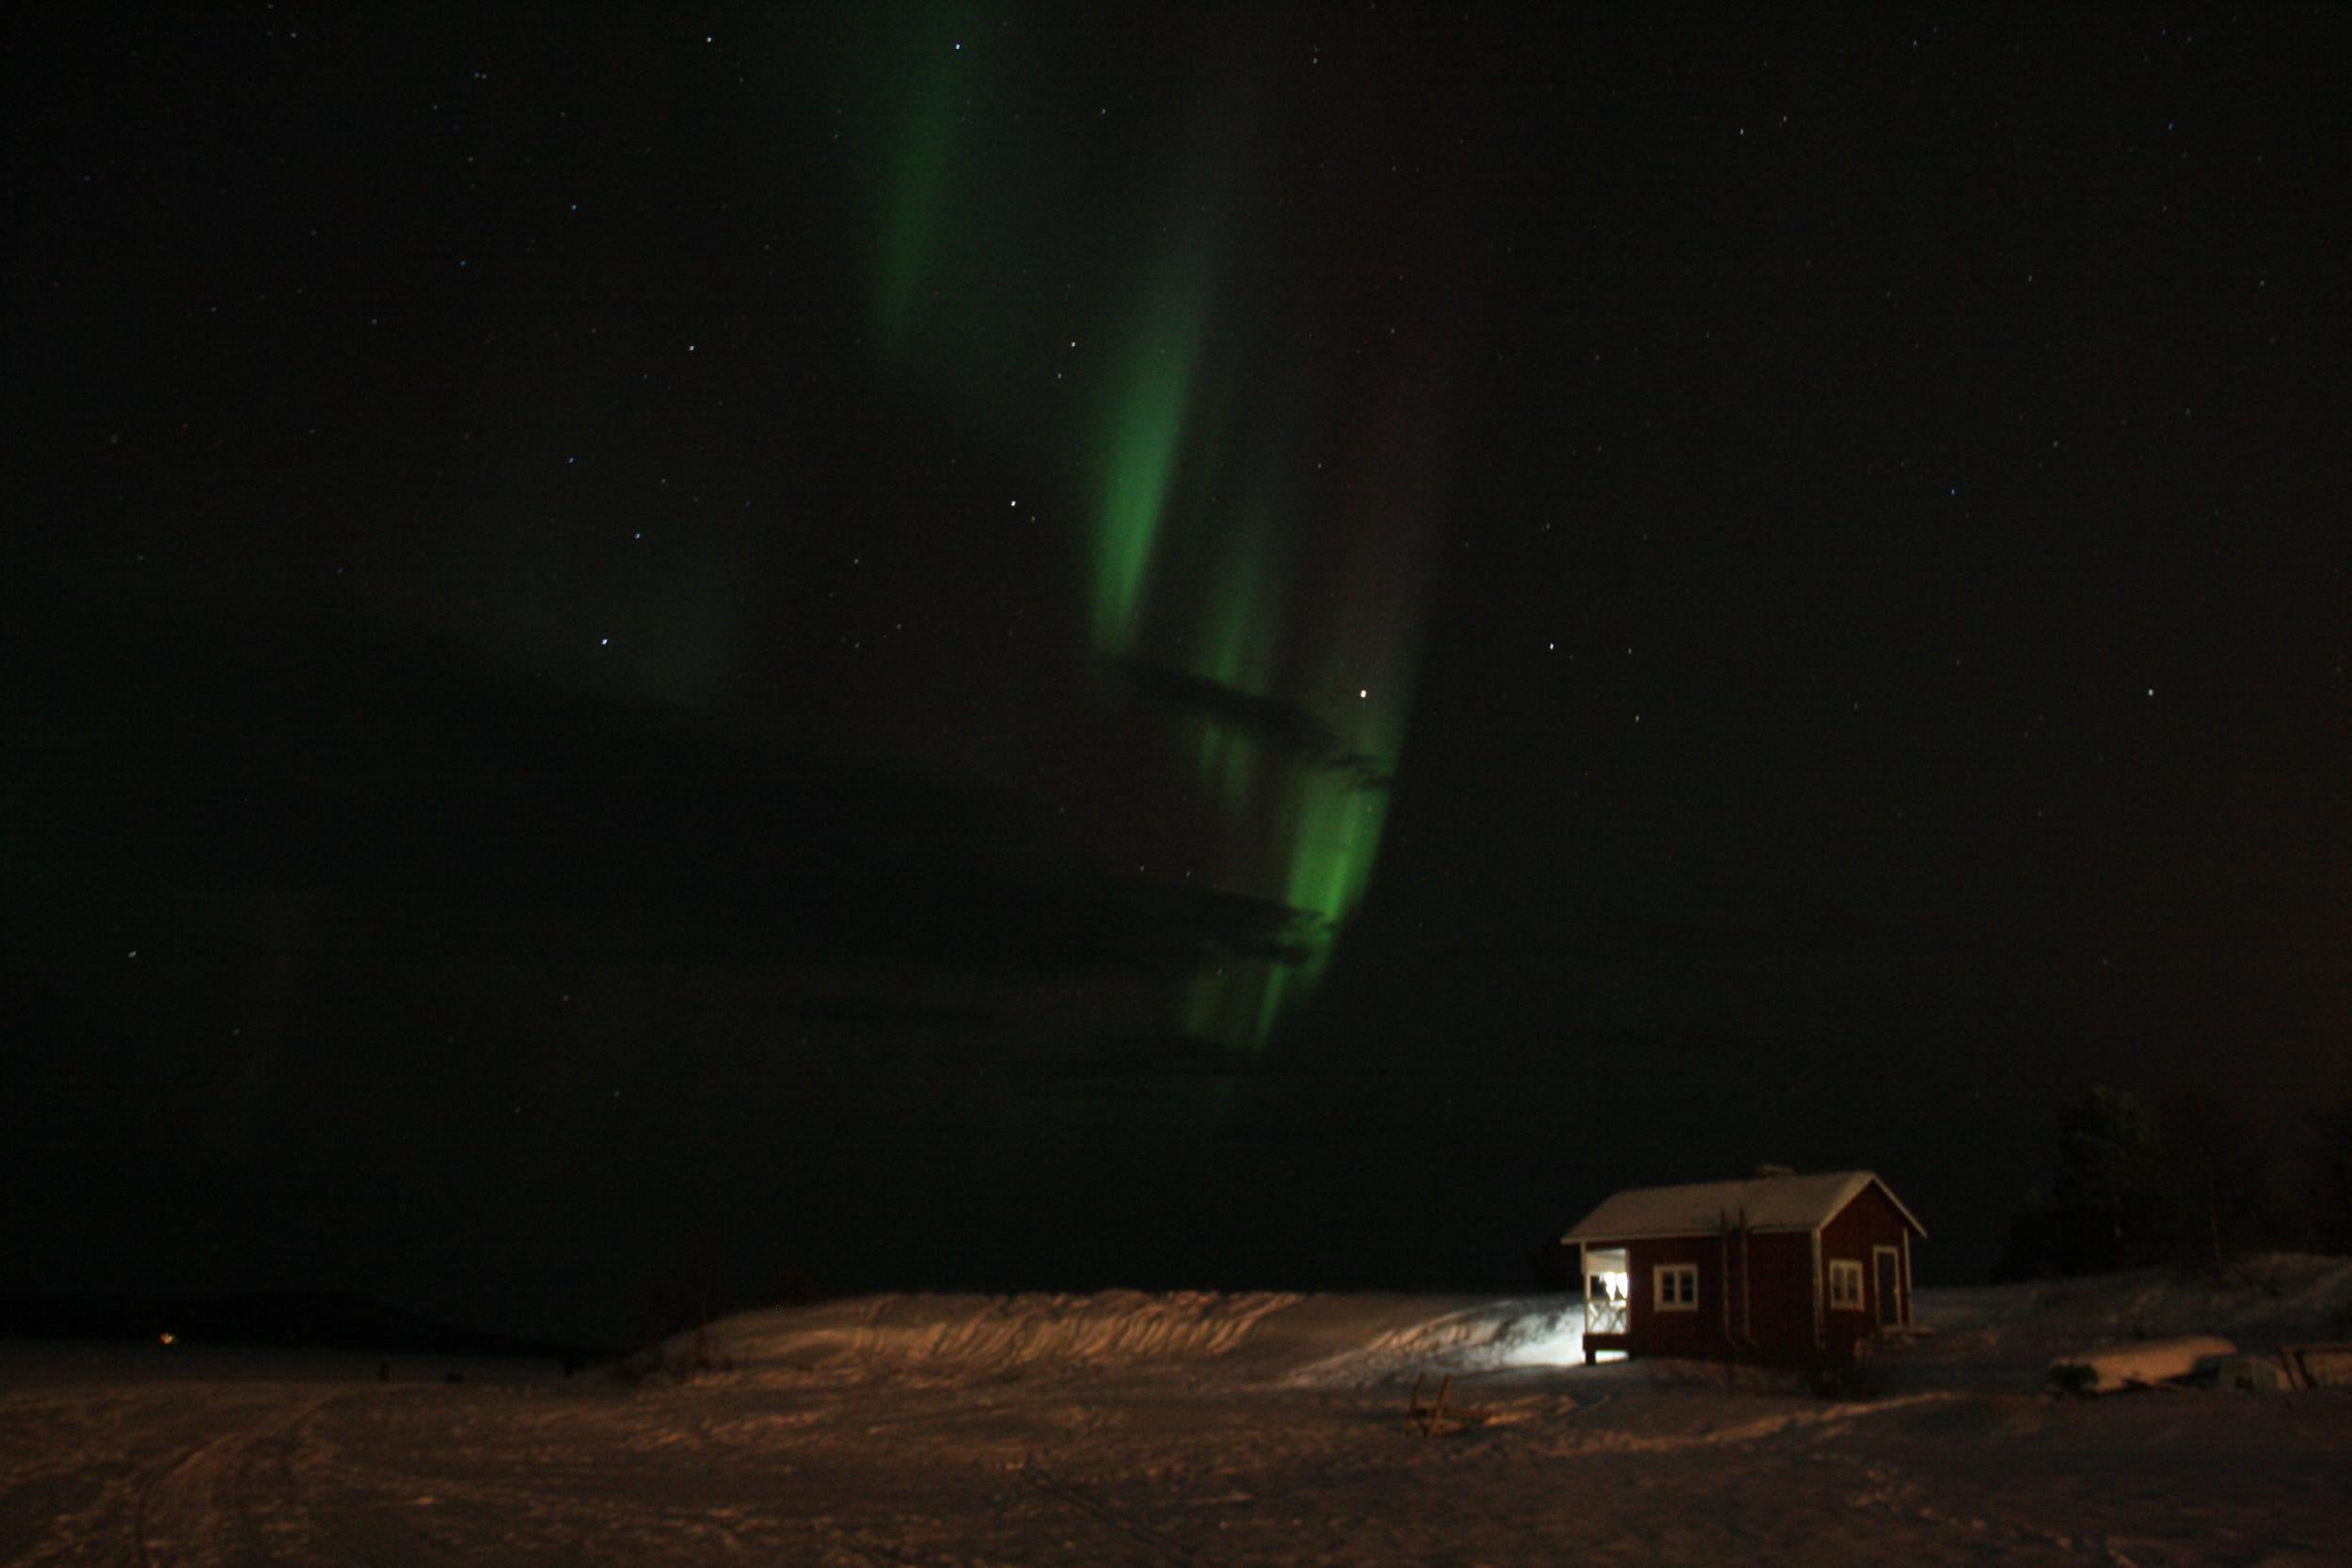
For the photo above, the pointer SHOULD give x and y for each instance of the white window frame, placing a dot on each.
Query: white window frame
(1843, 1269)
(1677, 1300)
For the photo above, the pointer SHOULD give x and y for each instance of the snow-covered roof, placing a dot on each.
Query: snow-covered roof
(1772, 1203)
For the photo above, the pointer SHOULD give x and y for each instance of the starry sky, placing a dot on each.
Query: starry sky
(662, 648)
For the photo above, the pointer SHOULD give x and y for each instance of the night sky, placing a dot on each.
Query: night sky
(654, 649)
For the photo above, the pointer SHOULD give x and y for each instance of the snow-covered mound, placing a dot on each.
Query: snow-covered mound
(1328, 1340)
(973, 1336)
(1436, 1335)
(1982, 1336)
(1996, 1335)
(2272, 1300)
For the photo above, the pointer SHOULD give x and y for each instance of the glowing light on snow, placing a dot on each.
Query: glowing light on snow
(1543, 1339)
(1563, 1346)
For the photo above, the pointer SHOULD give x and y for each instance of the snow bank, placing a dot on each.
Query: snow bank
(2006, 1335)
(1987, 1337)
(979, 1336)
(1320, 1340)
(2288, 1296)
(1461, 1337)
(2142, 1365)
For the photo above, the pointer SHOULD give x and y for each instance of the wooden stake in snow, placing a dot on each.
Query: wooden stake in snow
(1437, 1420)
(1427, 1419)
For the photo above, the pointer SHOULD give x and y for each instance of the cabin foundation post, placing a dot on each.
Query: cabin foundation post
(1585, 1273)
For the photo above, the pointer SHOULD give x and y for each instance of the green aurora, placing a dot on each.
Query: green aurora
(1253, 601)
(1143, 450)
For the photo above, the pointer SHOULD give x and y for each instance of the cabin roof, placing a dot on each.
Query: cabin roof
(1772, 1202)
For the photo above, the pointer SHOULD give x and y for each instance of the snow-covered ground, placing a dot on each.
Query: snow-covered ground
(1193, 1429)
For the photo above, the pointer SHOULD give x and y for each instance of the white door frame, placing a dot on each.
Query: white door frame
(1880, 1274)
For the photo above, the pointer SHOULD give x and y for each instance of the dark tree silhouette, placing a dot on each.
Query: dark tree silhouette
(2111, 1203)
(2329, 1184)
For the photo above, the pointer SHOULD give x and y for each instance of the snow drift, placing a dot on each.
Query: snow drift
(1322, 1340)
(2003, 1335)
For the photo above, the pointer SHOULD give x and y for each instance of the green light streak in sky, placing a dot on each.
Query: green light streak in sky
(916, 187)
(1234, 646)
(1332, 857)
(1253, 601)
(1142, 452)
(1336, 834)
(1332, 847)
(1328, 817)
(1238, 621)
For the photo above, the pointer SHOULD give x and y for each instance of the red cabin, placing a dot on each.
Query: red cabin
(1782, 1269)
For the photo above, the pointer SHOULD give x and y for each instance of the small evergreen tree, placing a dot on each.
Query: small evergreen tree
(2032, 1249)
(2330, 1183)
(2109, 1190)
(2218, 1194)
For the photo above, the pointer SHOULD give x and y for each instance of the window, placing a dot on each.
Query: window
(1845, 1284)
(1677, 1287)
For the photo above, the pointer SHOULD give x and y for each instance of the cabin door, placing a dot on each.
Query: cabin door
(1890, 1284)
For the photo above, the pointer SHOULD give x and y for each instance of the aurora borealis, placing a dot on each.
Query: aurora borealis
(1228, 576)
(949, 646)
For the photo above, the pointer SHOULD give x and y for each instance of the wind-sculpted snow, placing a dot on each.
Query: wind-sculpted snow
(1318, 1340)
(978, 1337)
(1476, 1336)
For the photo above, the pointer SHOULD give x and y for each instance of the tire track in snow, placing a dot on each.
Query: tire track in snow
(188, 1510)
(566, 1509)
(1039, 1478)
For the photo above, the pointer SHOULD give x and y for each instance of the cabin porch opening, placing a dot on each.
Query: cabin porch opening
(1608, 1299)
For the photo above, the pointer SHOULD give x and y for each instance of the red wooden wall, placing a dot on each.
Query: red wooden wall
(1779, 1325)
(1869, 1221)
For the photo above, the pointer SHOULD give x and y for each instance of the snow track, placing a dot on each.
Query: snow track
(1158, 1543)
(207, 1507)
